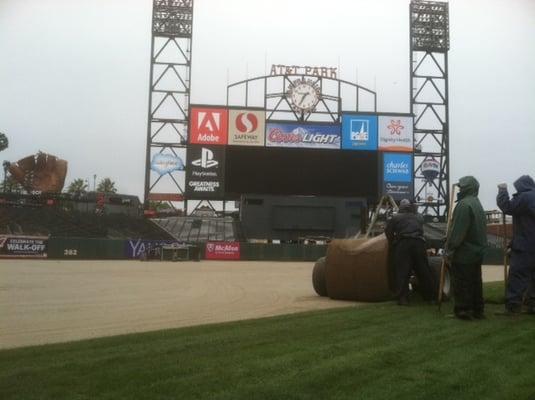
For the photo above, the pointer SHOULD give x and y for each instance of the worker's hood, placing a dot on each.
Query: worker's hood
(524, 184)
(468, 186)
(405, 206)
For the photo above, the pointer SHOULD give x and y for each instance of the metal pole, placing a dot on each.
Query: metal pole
(443, 266)
(505, 258)
(149, 118)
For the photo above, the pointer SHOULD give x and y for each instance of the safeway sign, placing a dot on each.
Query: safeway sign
(222, 251)
(208, 125)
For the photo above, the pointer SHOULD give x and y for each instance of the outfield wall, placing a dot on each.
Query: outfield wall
(112, 249)
(115, 249)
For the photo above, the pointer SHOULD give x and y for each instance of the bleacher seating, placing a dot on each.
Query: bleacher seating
(195, 229)
(57, 222)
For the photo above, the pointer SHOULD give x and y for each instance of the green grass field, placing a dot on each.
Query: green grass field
(380, 351)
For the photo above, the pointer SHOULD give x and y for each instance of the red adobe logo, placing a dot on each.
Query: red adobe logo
(208, 126)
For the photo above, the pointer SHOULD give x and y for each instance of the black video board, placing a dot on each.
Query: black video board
(294, 171)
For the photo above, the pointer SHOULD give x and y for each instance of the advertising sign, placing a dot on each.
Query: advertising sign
(165, 197)
(208, 126)
(166, 163)
(395, 133)
(137, 248)
(398, 176)
(222, 251)
(23, 246)
(246, 127)
(206, 172)
(314, 136)
(359, 132)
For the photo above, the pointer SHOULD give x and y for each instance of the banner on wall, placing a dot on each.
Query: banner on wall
(398, 176)
(137, 248)
(246, 127)
(359, 132)
(23, 246)
(222, 251)
(395, 133)
(314, 136)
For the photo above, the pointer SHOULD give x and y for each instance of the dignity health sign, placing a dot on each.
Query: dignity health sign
(395, 133)
(313, 136)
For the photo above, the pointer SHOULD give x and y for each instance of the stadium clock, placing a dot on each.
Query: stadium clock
(303, 95)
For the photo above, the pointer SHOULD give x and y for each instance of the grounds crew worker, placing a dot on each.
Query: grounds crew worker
(405, 234)
(465, 246)
(522, 271)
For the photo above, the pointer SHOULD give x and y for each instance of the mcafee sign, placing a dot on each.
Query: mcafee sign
(222, 251)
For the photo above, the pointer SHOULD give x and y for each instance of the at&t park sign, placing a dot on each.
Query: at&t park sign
(325, 72)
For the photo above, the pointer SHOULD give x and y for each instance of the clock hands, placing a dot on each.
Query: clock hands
(303, 97)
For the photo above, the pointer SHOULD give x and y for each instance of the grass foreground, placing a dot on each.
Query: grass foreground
(380, 351)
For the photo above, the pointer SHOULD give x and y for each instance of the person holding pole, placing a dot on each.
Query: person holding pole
(466, 243)
(522, 270)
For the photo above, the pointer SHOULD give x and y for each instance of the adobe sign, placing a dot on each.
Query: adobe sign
(208, 126)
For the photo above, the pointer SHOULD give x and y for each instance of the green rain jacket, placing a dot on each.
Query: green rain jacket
(467, 236)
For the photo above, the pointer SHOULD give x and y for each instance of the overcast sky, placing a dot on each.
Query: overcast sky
(74, 73)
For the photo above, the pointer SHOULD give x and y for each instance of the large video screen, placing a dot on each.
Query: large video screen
(294, 171)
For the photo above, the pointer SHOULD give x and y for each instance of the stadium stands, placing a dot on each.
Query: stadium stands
(196, 229)
(57, 222)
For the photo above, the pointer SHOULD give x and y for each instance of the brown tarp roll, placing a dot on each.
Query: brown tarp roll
(318, 277)
(357, 269)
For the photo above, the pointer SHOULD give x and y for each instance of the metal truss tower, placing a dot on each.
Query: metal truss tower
(429, 45)
(169, 98)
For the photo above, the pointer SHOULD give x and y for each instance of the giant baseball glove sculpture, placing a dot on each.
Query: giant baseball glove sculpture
(41, 172)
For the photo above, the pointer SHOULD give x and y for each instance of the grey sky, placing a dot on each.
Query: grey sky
(74, 73)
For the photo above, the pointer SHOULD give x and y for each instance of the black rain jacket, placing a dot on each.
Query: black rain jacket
(407, 223)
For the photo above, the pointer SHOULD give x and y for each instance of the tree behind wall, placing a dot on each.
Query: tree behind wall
(106, 185)
(77, 186)
(4, 143)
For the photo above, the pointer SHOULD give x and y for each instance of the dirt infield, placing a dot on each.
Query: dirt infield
(57, 301)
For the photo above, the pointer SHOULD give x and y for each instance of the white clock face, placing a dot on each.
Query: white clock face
(304, 97)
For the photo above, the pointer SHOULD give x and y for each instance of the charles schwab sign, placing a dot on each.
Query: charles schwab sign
(398, 176)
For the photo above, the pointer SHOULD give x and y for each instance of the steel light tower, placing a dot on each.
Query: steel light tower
(429, 45)
(169, 98)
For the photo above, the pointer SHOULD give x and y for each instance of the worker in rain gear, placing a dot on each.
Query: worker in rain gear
(522, 271)
(466, 243)
(406, 237)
